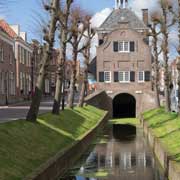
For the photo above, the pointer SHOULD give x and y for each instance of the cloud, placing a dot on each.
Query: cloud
(96, 22)
(100, 17)
(138, 5)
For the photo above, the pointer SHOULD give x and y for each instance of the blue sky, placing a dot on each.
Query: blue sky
(26, 12)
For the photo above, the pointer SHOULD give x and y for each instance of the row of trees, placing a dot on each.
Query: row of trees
(163, 20)
(73, 27)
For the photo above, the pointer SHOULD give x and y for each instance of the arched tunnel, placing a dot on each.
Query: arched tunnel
(124, 106)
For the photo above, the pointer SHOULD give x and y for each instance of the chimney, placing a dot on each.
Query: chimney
(145, 16)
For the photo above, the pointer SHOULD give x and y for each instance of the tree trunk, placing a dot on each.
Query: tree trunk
(34, 108)
(178, 63)
(61, 65)
(156, 67)
(73, 81)
(57, 97)
(83, 92)
(166, 58)
(59, 82)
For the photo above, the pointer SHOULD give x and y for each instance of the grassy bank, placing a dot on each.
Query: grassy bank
(166, 126)
(130, 121)
(25, 146)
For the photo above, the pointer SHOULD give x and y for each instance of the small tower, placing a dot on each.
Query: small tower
(121, 4)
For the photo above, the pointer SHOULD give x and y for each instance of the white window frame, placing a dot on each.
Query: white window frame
(107, 81)
(123, 47)
(124, 72)
(141, 81)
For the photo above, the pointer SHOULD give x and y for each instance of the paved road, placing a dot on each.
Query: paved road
(19, 111)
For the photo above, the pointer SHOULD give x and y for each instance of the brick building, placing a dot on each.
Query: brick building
(123, 63)
(22, 53)
(7, 69)
(50, 80)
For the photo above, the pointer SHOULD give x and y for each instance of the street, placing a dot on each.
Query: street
(19, 111)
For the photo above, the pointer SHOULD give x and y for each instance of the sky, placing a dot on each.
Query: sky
(27, 13)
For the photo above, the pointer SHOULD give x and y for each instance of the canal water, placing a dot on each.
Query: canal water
(121, 153)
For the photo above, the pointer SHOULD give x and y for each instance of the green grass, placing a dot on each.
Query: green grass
(165, 126)
(130, 121)
(25, 146)
(99, 174)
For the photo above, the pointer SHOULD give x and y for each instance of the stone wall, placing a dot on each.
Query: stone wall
(62, 161)
(101, 100)
(171, 168)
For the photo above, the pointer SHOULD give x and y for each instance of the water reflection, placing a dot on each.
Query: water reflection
(118, 159)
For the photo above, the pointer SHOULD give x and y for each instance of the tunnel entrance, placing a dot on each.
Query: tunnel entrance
(124, 106)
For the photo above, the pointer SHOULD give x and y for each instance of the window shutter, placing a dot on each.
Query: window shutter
(116, 77)
(115, 46)
(101, 41)
(132, 46)
(101, 76)
(132, 76)
(147, 75)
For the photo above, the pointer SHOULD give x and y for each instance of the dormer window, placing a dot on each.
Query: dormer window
(101, 41)
(124, 46)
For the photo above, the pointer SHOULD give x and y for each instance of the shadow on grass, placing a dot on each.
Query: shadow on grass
(169, 133)
(67, 123)
(159, 124)
(154, 114)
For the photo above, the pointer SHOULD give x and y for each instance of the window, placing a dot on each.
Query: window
(10, 58)
(121, 46)
(11, 83)
(124, 76)
(19, 53)
(1, 54)
(25, 60)
(101, 41)
(47, 89)
(2, 83)
(124, 46)
(107, 76)
(141, 76)
(21, 81)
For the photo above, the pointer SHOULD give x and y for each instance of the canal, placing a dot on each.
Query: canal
(120, 153)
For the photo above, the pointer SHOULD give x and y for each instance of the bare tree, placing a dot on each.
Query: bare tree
(154, 33)
(63, 18)
(49, 36)
(86, 55)
(176, 13)
(166, 21)
(77, 30)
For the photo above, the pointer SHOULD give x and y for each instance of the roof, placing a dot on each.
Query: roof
(119, 16)
(6, 28)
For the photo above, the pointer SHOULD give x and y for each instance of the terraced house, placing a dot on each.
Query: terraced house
(7, 69)
(23, 53)
(123, 63)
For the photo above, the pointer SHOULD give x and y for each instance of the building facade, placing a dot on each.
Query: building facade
(123, 62)
(7, 69)
(22, 51)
